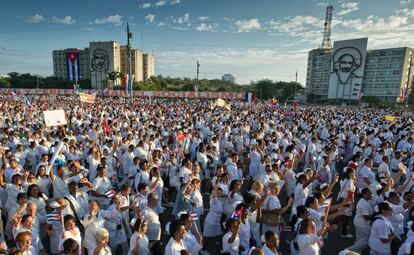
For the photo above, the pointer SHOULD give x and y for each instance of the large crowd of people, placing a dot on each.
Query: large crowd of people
(137, 176)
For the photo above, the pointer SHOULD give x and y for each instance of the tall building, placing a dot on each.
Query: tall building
(347, 70)
(105, 58)
(96, 62)
(148, 66)
(61, 64)
(228, 78)
(137, 63)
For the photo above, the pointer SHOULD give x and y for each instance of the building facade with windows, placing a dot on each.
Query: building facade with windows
(386, 72)
(96, 62)
(148, 66)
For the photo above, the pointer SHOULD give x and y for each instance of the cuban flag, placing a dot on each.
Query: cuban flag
(249, 97)
(110, 193)
(54, 216)
(126, 84)
(27, 102)
(237, 214)
(73, 65)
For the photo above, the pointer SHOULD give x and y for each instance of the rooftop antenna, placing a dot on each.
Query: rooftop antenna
(326, 42)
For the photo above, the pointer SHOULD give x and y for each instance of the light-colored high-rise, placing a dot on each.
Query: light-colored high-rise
(105, 57)
(137, 63)
(99, 60)
(60, 68)
(386, 72)
(148, 66)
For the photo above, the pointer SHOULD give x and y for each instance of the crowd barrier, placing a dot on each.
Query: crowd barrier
(121, 93)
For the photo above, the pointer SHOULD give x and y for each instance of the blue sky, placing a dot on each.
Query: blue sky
(252, 39)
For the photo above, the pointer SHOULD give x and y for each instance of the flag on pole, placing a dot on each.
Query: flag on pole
(360, 95)
(389, 117)
(126, 81)
(73, 65)
(105, 126)
(27, 102)
(13, 93)
(106, 91)
(404, 94)
(54, 216)
(249, 97)
(237, 214)
(110, 193)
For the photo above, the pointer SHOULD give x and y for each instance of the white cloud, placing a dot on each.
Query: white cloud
(67, 20)
(150, 18)
(202, 18)
(161, 24)
(206, 27)
(405, 1)
(348, 8)
(35, 18)
(112, 19)
(295, 26)
(146, 5)
(175, 2)
(185, 19)
(248, 25)
(160, 3)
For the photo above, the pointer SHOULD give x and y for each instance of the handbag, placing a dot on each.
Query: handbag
(270, 218)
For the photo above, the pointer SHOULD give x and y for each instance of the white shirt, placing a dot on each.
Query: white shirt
(381, 229)
(308, 245)
(154, 225)
(232, 248)
(174, 248)
(364, 207)
(268, 251)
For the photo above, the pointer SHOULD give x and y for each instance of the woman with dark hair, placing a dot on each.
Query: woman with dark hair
(43, 180)
(138, 244)
(231, 240)
(382, 231)
(12, 189)
(302, 213)
(70, 247)
(309, 237)
(176, 244)
(193, 242)
(35, 196)
(233, 197)
(71, 231)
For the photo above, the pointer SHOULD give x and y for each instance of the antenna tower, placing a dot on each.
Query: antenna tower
(326, 42)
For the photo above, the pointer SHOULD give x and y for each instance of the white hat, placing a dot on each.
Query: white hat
(54, 205)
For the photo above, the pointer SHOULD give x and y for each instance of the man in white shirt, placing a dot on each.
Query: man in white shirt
(365, 176)
(232, 169)
(362, 221)
(272, 244)
(154, 225)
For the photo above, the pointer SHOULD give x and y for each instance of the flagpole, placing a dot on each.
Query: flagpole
(407, 85)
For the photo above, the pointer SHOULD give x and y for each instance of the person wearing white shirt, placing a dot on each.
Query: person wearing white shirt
(382, 232)
(101, 246)
(309, 237)
(150, 215)
(176, 243)
(139, 243)
(384, 168)
(192, 242)
(365, 176)
(399, 210)
(302, 190)
(272, 244)
(362, 221)
(231, 168)
(231, 241)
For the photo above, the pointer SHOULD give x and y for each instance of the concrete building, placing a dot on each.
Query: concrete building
(60, 64)
(137, 63)
(105, 58)
(148, 66)
(383, 73)
(97, 61)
